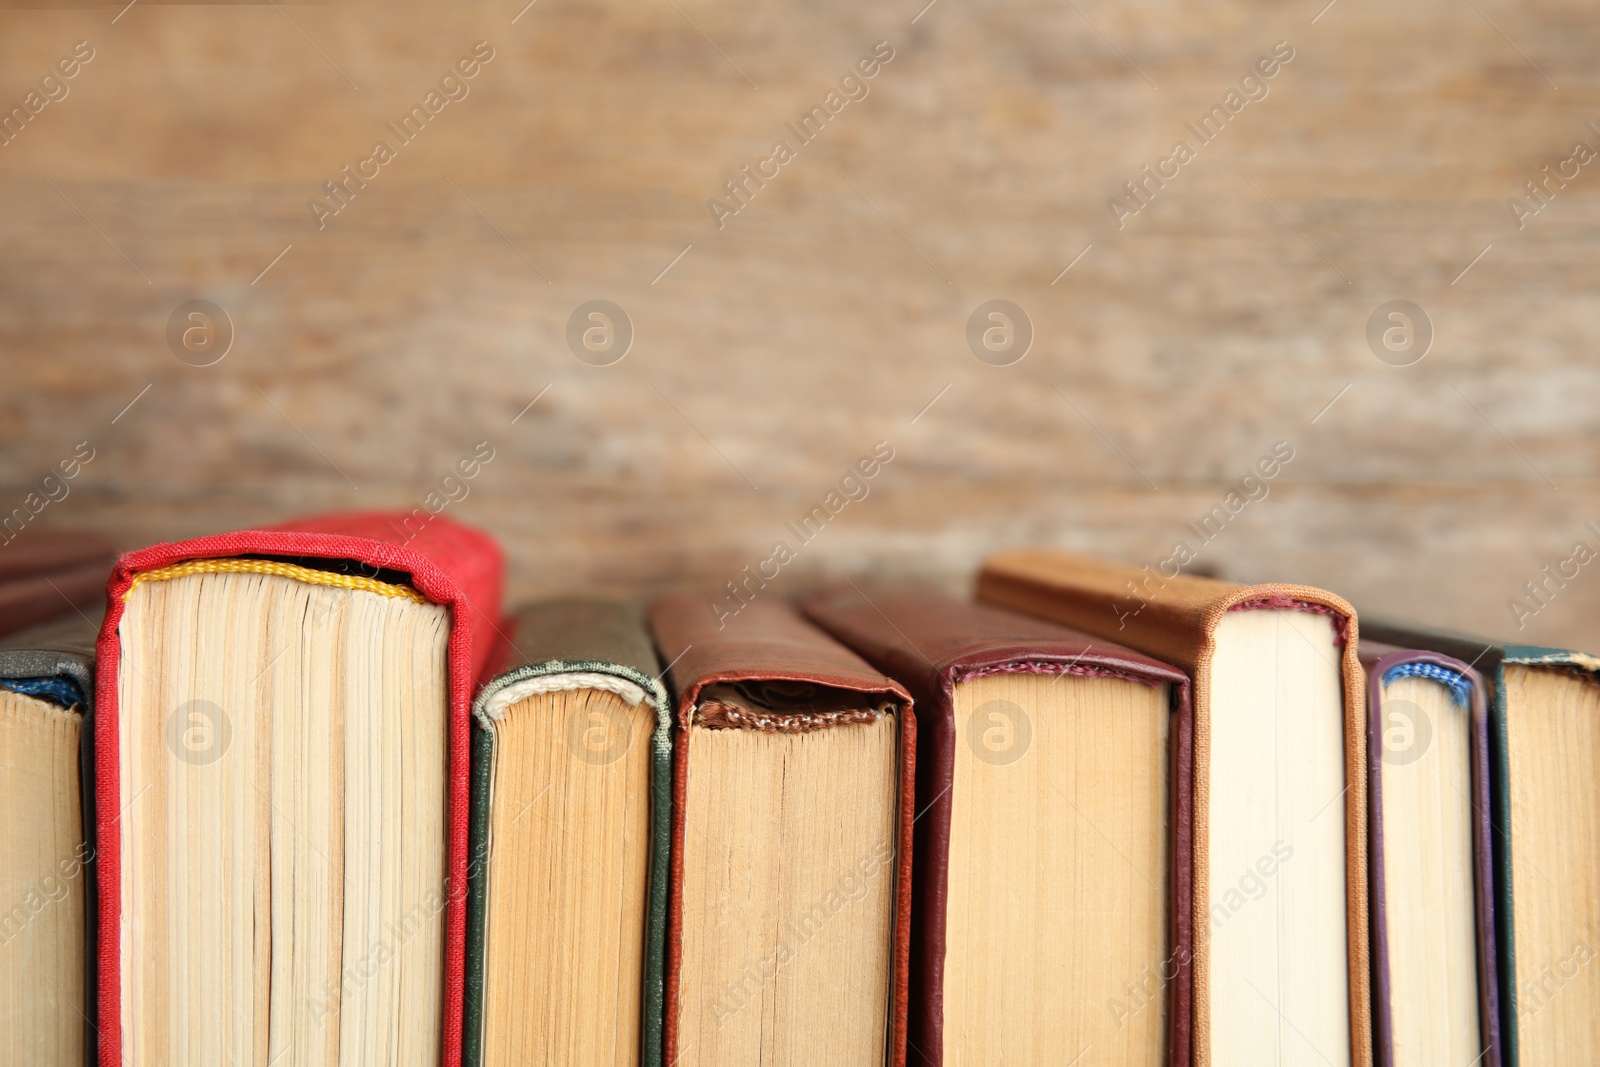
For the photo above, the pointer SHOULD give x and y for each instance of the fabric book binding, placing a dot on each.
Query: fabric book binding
(565, 646)
(443, 563)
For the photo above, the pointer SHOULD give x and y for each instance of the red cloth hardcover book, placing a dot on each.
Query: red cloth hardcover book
(448, 564)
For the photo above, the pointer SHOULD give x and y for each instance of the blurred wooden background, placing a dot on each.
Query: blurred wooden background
(828, 313)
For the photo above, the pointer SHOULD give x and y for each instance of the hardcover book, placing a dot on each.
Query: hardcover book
(281, 782)
(571, 818)
(789, 904)
(1281, 953)
(1544, 773)
(1052, 887)
(1433, 944)
(47, 843)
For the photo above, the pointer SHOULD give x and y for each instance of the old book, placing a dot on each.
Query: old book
(1052, 886)
(50, 573)
(1435, 997)
(1281, 952)
(47, 843)
(571, 813)
(1544, 770)
(281, 783)
(789, 904)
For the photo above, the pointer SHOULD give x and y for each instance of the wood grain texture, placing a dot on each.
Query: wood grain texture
(829, 312)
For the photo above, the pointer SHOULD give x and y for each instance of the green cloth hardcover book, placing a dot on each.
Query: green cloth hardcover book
(571, 830)
(1544, 772)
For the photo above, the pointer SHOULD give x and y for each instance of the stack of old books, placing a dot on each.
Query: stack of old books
(307, 795)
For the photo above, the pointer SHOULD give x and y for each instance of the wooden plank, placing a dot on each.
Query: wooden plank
(769, 355)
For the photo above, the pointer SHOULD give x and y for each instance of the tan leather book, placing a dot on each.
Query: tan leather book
(1281, 968)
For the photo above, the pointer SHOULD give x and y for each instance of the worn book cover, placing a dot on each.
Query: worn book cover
(789, 904)
(443, 563)
(564, 646)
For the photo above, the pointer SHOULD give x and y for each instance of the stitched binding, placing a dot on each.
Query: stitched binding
(282, 570)
(62, 692)
(1083, 670)
(494, 707)
(1458, 684)
(1280, 602)
(720, 715)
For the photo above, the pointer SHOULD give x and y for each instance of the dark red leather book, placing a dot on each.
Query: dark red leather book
(364, 576)
(1003, 743)
(789, 896)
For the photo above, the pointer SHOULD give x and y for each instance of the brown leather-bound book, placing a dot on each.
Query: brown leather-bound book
(789, 897)
(1281, 960)
(1052, 883)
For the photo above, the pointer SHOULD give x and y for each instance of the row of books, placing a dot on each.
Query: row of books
(306, 795)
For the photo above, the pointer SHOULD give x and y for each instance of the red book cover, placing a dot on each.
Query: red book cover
(451, 565)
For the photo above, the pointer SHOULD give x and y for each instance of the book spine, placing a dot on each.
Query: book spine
(1505, 926)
